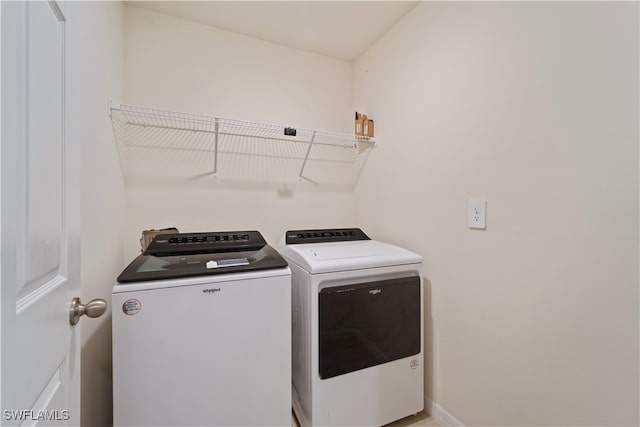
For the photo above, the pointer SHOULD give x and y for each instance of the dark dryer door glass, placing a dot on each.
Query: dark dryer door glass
(368, 324)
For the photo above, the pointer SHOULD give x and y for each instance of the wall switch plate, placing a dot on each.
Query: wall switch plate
(477, 217)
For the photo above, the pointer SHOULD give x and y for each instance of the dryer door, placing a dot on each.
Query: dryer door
(367, 324)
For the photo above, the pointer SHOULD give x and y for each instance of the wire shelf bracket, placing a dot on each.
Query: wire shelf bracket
(306, 156)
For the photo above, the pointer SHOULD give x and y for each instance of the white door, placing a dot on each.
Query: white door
(40, 212)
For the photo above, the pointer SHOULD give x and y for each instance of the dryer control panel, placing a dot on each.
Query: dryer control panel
(294, 237)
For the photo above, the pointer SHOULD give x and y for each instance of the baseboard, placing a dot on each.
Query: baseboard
(439, 414)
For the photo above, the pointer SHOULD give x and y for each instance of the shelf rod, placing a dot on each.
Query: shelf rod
(238, 153)
(270, 138)
(306, 157)
(215, 156)
(143, 125)
(213, 132)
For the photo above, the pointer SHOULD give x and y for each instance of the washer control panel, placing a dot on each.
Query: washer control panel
(188, 243)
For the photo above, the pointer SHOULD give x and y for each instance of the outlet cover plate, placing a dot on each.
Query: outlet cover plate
(476, 217)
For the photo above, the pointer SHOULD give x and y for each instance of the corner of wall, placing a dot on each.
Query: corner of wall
(440, 415)
(98, 27)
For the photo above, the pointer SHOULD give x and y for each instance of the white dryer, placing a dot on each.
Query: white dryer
(357, 317)
(201, 333)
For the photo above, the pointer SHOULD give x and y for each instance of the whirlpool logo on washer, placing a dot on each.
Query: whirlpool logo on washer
(210, 290)
(375, 291)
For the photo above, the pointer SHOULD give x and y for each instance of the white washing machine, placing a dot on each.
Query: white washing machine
(202, 333)
(357, 317)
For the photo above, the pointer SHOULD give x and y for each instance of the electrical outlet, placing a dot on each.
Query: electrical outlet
(477, 217)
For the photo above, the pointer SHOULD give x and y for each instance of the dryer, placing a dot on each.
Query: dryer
(201, 333)
(357, 316)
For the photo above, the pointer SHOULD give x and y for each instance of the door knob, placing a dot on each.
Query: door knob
(94, 308)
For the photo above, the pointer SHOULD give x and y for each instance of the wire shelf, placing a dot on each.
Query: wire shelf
(160, 143)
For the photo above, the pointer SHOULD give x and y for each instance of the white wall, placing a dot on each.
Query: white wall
(183, 66)
(96, 32)
(533, 106)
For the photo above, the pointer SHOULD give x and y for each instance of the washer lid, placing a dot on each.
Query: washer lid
(344, 256)
(200, 254)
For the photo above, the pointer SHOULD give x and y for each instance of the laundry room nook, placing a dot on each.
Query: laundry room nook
(311, 213)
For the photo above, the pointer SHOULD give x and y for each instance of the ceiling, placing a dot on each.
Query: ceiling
(340, 29)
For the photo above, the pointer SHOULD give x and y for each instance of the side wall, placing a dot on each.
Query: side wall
(97, 32)
(534, 107)
(187, 67)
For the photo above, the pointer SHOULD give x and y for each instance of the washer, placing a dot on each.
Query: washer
(201, 333)
(357, 317)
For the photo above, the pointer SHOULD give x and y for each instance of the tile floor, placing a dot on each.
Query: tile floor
(422, 419)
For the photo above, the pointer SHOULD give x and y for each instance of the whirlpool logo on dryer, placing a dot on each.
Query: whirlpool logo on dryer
(375, 291)
(210, 290)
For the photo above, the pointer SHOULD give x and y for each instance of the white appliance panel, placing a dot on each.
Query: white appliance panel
(373, 396)
(213, 351)
(197, 280)
(301, 342)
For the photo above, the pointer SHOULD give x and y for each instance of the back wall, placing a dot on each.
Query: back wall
(188, 67)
